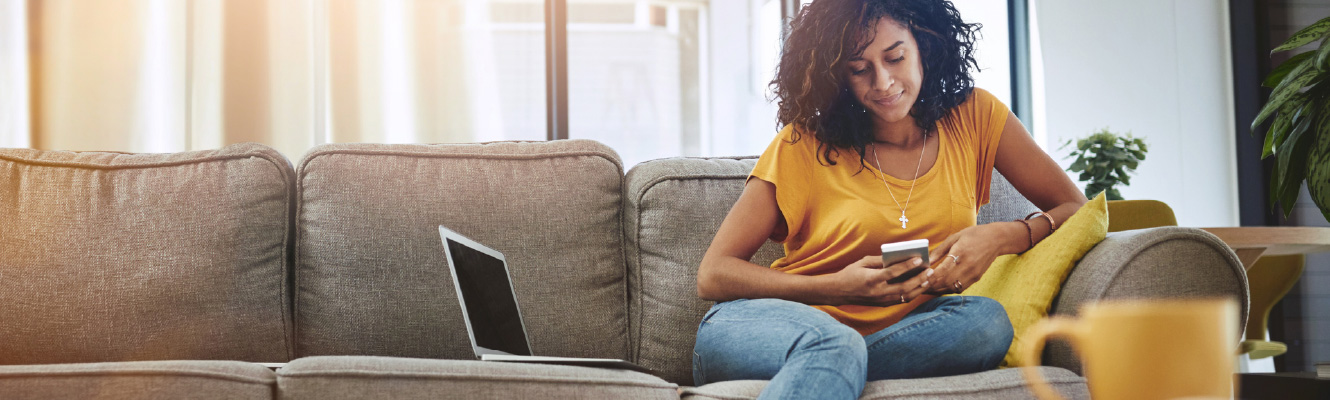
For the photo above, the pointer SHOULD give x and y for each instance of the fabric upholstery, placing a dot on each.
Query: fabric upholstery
(358, 377)
(1139, 214)
(673, 208)
(1164, 262)
(998, 384)
(370, 272)
(128, 257)
(1005, 203)
(139, 380)
(1025, 284)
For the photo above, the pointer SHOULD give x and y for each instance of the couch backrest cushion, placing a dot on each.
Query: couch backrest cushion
(126, 257)
(370, 273)
(1004, 202)
(673, 208)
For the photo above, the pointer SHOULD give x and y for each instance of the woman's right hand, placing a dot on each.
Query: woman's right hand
(865, 282)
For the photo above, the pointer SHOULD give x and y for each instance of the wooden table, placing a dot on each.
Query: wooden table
(1252, 242)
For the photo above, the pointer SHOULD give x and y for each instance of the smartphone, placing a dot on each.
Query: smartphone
(900, 251)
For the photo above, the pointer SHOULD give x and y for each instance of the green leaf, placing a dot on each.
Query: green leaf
(1101, 173)
(1269, 147)
(1318, 170)
(1321, 54)
(1085, 176)
(1288, 115)
(1284, 68)
(1304, 36)
(1289, 196)
(1295, 80)
(1078, 165)
(1291, 164)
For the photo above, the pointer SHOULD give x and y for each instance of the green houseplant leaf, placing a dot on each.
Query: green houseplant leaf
(1283, 124)
(1318, 175)
(1321, 55)
(1305, 35)
(1284, 68)
(1293, 152)
(1296, 79)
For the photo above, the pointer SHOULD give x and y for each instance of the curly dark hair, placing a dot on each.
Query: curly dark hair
(811, 81)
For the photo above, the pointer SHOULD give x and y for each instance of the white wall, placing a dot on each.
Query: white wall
(14, 112)
(1160, 69)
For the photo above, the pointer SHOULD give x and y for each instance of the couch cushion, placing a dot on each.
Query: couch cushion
(673, 209)
(126, 257)
(1004, 202)
(999, 384)
(370, 269)
(360, 377)
(139, 380)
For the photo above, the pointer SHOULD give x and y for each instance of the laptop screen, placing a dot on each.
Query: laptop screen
(490, 304)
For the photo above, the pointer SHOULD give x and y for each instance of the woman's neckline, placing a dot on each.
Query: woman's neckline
(926, 176)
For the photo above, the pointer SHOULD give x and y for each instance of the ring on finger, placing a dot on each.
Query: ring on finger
(958, 286)
(955, 259)
(903, 298)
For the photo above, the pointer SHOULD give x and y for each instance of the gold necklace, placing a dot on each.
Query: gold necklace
(902, 219)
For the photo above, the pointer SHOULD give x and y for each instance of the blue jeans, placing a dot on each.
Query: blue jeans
(806, 353)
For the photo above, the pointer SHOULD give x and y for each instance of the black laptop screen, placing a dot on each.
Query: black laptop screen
(490, 304)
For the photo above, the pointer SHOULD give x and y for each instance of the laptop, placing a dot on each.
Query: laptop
(489, 307)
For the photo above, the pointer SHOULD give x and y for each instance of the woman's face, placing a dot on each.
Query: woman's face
(885, 78)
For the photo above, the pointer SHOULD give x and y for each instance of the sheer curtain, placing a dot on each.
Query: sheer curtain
(171, 75)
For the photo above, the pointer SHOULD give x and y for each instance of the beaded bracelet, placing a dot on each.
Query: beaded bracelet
(1028, 231)
(1052, 226)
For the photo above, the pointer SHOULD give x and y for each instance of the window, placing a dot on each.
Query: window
(407, 71)
(663, 78)
(650, 78)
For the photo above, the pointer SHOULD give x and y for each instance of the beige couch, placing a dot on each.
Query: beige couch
(171, 275)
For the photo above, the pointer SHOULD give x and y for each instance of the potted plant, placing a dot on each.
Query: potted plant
(1299, 108)
(1104, 160)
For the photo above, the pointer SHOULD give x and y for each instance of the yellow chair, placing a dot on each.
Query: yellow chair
(1125, 215)
(1269, 279)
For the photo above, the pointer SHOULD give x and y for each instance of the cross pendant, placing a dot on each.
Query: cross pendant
(903, 220)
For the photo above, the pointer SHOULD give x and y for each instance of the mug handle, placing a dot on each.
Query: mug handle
(1033, 348)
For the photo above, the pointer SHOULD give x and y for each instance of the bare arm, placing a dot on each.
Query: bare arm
(1033, 173)
(726, 274)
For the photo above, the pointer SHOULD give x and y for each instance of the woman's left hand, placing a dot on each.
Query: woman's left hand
(961, 259)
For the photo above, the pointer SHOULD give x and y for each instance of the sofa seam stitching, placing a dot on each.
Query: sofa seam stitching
(111, 167)
(460, 376)
(136, 372)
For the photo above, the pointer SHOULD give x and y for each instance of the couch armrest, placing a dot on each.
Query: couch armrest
(1165, 262)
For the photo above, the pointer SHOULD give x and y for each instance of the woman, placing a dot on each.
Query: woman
(885, 140)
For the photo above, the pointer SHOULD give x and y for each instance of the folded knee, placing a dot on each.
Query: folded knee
(992, 327)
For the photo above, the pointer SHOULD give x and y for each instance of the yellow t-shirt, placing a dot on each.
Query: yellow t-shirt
(836, 214)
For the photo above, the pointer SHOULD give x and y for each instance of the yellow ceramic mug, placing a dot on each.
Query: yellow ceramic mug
(1145, 349)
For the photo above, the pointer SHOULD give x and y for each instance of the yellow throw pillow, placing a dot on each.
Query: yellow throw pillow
(1026, 284)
